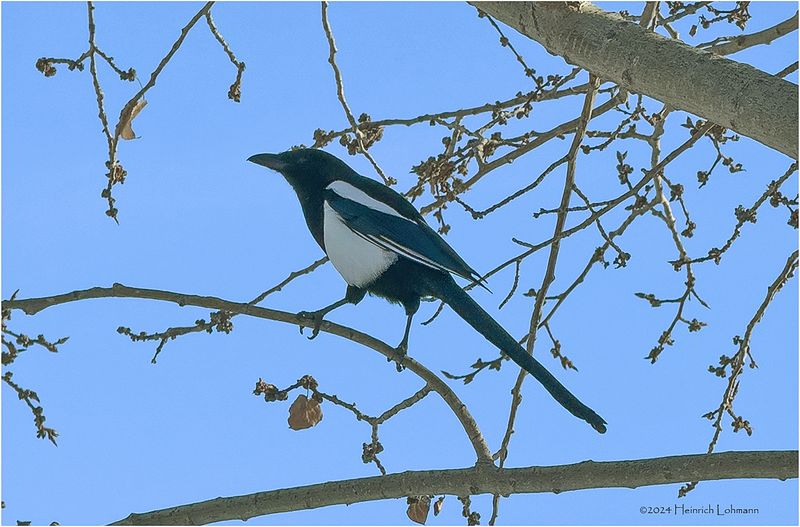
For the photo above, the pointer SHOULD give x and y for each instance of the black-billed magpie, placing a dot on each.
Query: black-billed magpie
(381, 245)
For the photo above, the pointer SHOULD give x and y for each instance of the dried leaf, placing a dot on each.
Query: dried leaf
(304, 413)
(127, 131)
(418, 507)
(437, 507)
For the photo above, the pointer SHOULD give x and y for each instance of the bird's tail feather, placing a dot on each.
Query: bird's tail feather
(447, 290)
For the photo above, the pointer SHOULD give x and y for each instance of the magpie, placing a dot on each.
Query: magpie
(380, 244)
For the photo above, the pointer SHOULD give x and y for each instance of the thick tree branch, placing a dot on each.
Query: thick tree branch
(482, 480)
(32, 306)
(731, 94)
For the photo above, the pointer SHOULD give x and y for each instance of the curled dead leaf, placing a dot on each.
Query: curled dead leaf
(437, 507)
(126, 130)
(304, 413)
(418, 507)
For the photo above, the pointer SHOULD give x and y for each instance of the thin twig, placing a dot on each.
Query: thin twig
(743, 216)
(340, 93)
(292, 276)
(612, 204)
(549, 276)
(736, 365)
(235, 91)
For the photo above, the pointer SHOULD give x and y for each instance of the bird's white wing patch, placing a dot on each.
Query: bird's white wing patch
(409, 253)
(358, 260)
(358, 263)
(348, 191)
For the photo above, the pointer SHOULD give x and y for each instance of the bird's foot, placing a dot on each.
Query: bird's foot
(317, 317)
(400, 354)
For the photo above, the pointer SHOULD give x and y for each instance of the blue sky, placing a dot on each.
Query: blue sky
(196, 218)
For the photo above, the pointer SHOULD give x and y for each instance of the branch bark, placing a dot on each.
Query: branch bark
(482, 480)
(731, 94)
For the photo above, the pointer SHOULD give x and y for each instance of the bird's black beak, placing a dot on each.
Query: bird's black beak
(272, 161)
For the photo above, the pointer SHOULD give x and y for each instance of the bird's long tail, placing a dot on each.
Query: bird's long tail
(446, 289)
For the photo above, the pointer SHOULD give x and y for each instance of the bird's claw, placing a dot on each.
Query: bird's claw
(317, 317)
(400, 354)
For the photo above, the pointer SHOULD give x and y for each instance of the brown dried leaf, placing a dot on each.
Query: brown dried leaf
(127, 131)
(304, 413)
(418, 507)
(437, 507)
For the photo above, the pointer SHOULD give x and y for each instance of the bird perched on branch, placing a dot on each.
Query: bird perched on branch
(381, 245)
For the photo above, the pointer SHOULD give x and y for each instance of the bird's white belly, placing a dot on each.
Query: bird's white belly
(358, 261)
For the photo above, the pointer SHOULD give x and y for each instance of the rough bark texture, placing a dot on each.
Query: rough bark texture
(482, 480)
(734, 95)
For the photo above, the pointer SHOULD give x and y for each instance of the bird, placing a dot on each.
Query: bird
(380, 244)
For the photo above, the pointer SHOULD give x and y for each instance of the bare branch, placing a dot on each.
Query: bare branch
(549, 275)
(688, 8)
(116, 174)
(235, 91)
(558, 131)
(219, 320)
(561, 218)
(736, 365)
(370, 450)
(743, 215)
(28, 396)
(33, 305)
(729, 45)
(648, 14)
(340, 93)
(633, 191)
(482, 480)
(737, 362)
(292, 276)
(791, 68)
(520, 98)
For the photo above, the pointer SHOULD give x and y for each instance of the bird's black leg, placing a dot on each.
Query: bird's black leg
(354, 295)
(402, 348)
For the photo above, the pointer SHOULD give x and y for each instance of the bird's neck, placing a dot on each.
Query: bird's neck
(312, 203)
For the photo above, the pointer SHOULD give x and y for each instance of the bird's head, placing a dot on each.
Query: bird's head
(306, 169)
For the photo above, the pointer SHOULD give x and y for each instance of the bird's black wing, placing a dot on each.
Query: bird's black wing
(413, 240)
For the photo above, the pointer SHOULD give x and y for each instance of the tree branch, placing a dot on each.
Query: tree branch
(731, 94)
(729, 45)
(482, 480)
(340, 94)
(633, 191)
(550, 272)
(32, 306)
(560, 130)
